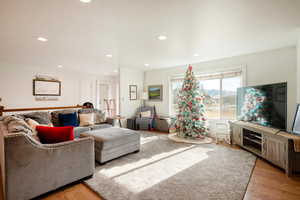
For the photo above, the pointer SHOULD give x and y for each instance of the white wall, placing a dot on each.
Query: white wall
(262, 68)
(16, 86)
(130, 77)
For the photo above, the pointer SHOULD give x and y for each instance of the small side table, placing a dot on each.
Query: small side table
(117, 118)
(165, 124)
(131, 124)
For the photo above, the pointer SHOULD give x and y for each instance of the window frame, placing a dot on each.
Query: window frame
(241, 70)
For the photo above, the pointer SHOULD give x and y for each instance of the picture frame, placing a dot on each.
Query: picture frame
(46, 88)
(155, 92)
(132, 92)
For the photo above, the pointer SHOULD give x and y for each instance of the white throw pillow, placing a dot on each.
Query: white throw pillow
(146, 114)
(86, 119)
(32, 123)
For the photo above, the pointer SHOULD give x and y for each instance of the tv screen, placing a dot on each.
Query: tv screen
(264, 104)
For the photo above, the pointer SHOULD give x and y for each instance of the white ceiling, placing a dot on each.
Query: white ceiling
(80, 35)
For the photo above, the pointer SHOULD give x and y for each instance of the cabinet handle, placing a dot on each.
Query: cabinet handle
(264, 144)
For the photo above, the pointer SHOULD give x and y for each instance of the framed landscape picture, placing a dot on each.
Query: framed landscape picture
(155, 92)
(46, 88)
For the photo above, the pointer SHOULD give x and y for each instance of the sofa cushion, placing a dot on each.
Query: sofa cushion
(113, 137)
(68, 119)
(100, 126)
(50, 135)
(79, 129)
(86, 119)
(55, 115)
(40, 117)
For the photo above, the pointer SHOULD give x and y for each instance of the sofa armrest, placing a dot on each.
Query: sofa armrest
(65, 144)
(3, 131)
(110, 121)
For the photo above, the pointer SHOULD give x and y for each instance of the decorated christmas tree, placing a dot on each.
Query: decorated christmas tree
(191, 122)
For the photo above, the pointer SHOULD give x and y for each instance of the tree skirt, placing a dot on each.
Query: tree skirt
(174, 137)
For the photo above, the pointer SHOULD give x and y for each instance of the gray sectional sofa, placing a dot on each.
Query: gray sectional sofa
(30, 168)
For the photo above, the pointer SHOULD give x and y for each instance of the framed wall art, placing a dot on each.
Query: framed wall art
(155, 92)
(46, 88)
(132, 92)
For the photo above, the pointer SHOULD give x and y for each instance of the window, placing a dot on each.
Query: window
(211, 90)
(229, 87)
(219, 90)
(175, 88)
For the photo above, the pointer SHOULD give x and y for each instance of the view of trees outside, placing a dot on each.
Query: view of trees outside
(176, 86)
(212, 93)
(230, 86)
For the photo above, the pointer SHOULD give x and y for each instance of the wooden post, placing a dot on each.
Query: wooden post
(1, 110)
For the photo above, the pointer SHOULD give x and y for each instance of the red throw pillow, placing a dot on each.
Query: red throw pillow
(49, 135)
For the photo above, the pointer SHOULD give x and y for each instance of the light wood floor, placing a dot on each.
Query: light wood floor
(267, 183)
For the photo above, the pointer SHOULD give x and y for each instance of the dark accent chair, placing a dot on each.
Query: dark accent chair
(145, 123)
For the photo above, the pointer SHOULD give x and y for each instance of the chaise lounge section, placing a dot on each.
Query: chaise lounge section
(111, 143)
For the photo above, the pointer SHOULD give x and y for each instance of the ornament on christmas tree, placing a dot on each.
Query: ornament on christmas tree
(191, 122)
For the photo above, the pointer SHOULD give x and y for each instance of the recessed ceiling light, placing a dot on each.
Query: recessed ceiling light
(59, 66)
(42, 39)
(162, 37)
(196, 55)
(86, 1)
(147, 65)
(108, 55)
(116, 71)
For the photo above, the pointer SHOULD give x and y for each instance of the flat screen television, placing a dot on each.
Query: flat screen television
(263, 104)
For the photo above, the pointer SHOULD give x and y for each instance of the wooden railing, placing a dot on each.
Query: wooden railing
(3, 110)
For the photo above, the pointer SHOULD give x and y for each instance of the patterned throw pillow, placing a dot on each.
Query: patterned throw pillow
(146, 114)
(99, 117)
(15, 124)
(86, 119)
(32, 123)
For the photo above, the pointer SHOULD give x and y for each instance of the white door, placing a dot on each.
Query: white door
(103, 94)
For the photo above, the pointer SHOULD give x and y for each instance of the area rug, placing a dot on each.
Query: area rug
(166, 170)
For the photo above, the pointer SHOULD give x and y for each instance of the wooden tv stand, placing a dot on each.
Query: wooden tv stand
(271, 144)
